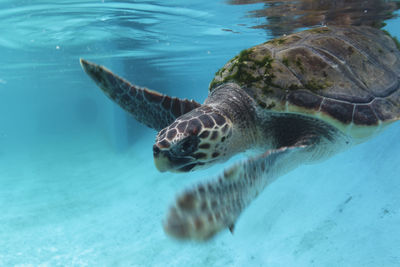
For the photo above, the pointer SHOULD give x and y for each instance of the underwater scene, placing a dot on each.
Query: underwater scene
(88, 176)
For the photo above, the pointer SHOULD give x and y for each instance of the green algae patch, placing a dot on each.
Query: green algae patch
(277, 41)
(285, 61)
(244, 55)
(320, 30)
(315, 85)
(299, 65)
(213, 84)
(251, 66)
(267, 104)
(220, 71)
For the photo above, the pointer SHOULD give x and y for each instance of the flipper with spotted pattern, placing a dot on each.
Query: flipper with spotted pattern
(201, 212)
(151, 108)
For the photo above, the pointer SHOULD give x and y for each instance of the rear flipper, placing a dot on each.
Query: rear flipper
(203, 211)
(151, 108)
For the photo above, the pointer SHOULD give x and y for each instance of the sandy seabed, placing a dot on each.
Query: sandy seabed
(80, 203)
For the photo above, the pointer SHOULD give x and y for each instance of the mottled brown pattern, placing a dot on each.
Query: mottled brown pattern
(305, 99)
(225, 128)
(214, 135)
(339, 110)
(148, 107)
(194, 126)
(164, 144)
(364, 115)
(171, 134)
(215, 154)
(384, 109)
(192, 218)
(181, 127)
(187, 201)
(339, 67)
(204, 134)
(176, 107)
(207, 121)
(218, 119)
(205, 145)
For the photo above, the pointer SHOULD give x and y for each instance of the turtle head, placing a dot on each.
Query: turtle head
(194, 140)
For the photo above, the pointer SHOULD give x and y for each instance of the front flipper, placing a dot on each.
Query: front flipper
(208, 208)
(151, 108)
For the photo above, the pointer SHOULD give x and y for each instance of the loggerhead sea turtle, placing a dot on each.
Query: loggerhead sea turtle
(298, 99)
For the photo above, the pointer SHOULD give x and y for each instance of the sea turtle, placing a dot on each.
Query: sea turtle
(296, 99)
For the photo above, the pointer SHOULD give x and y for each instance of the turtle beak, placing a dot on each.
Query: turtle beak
(161, 159)
(164, 161)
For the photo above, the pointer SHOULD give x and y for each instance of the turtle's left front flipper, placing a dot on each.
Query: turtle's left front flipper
(203, 211)
(151, 108)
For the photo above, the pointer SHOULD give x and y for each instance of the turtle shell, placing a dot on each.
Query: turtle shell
(347, 76)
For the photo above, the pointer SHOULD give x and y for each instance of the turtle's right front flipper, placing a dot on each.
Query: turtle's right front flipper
(151, 108)
(201, 212)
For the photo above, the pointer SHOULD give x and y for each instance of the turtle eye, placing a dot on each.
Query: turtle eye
(187, 146)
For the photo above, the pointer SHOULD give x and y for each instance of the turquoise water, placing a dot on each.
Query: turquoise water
(77, 182)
